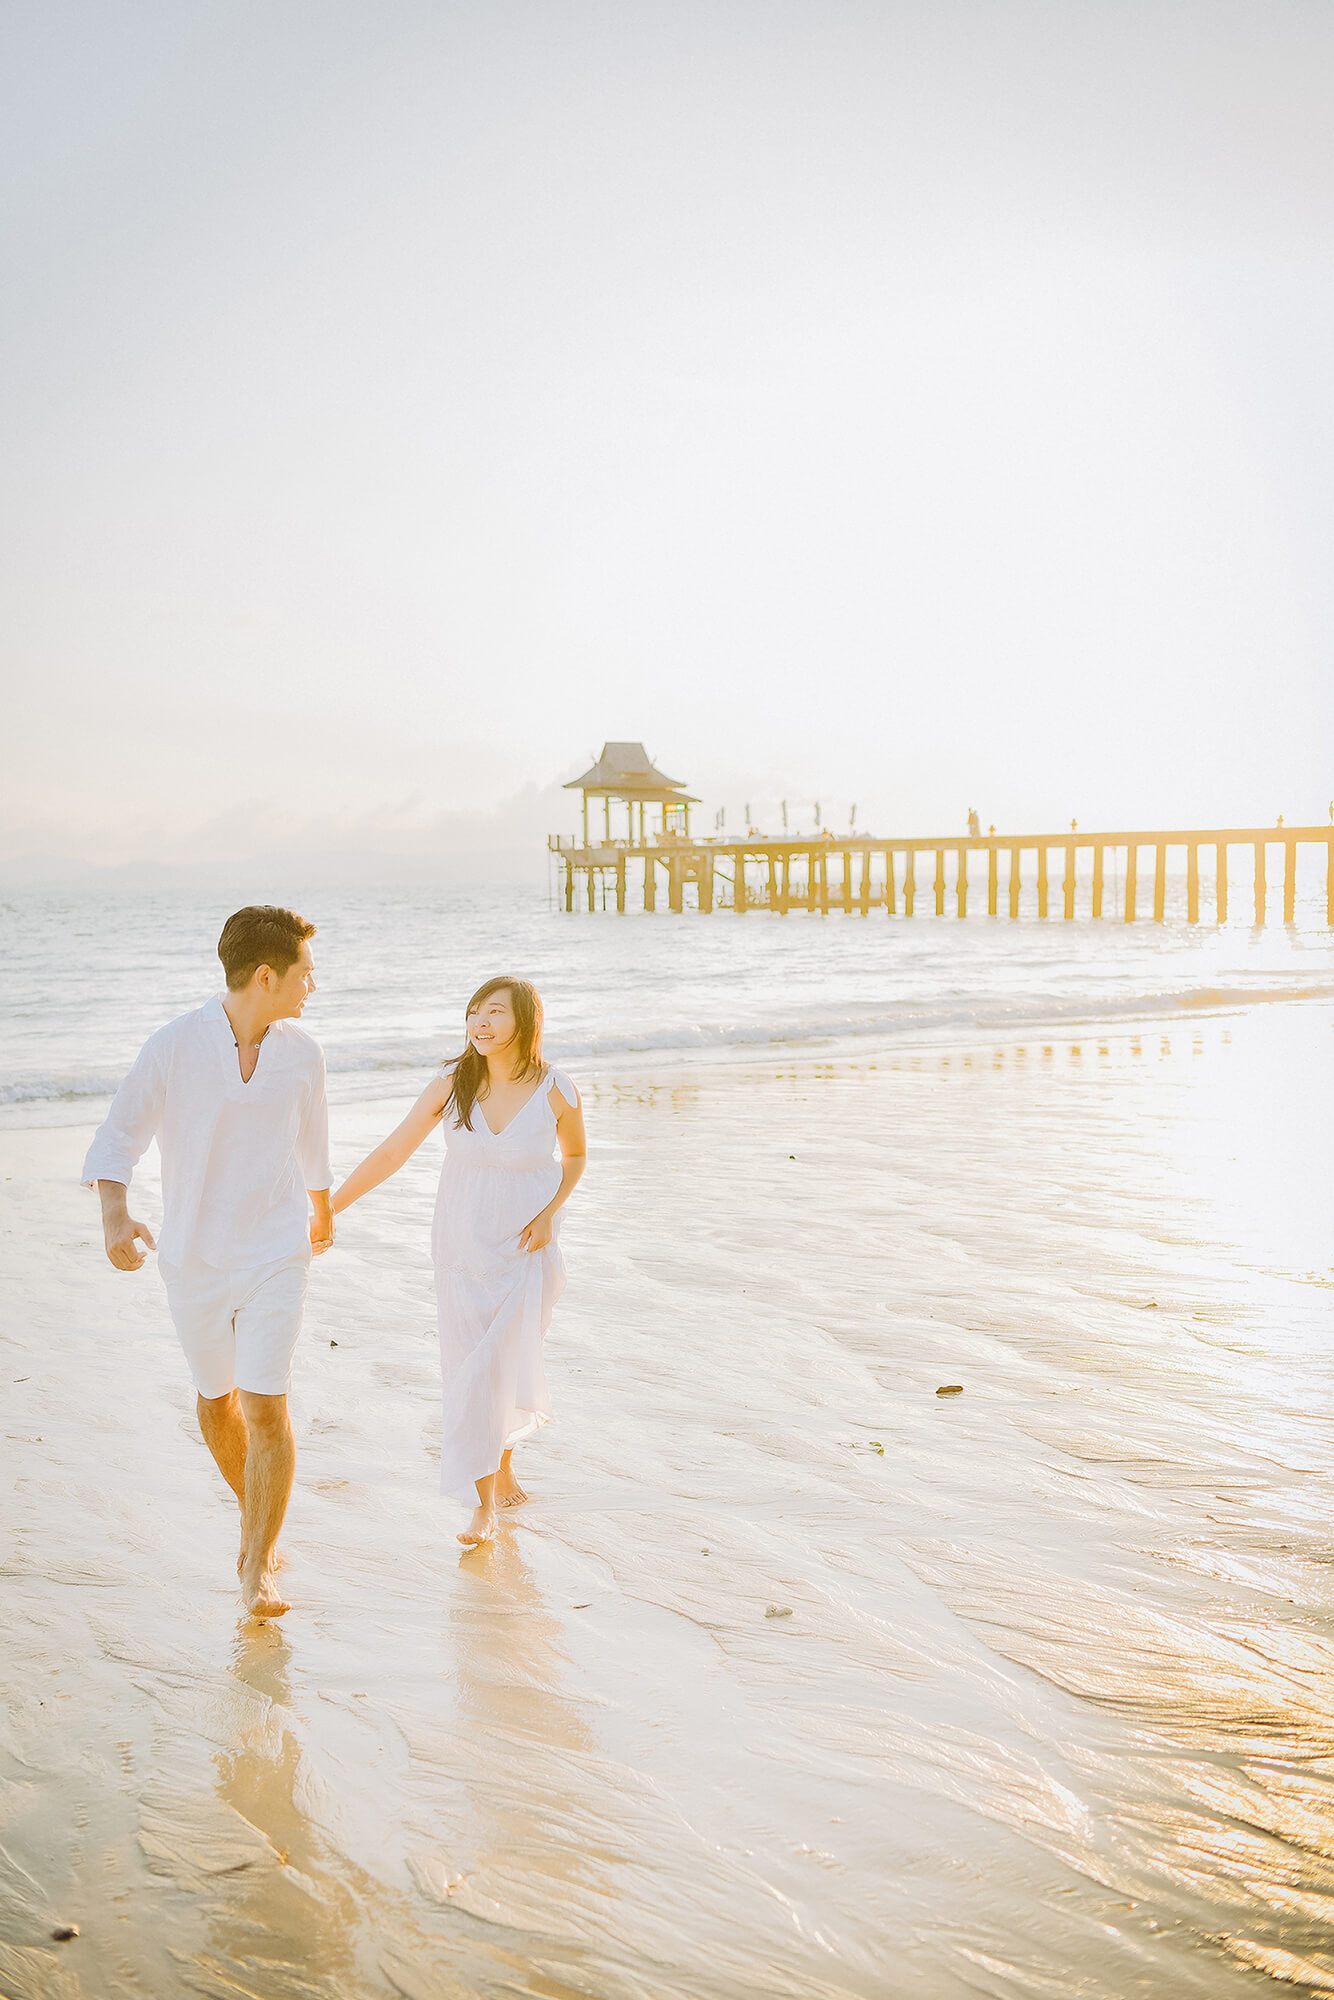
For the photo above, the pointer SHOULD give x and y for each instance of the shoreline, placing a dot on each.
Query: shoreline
(358, 1087)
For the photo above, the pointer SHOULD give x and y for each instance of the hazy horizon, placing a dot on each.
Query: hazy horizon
(909, 406)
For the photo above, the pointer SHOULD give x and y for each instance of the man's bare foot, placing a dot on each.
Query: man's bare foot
(480, 1529)
(276, 1560)
(260, 1594)
(507, 1490)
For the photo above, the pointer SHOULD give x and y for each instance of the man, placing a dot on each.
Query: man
(234, 1095)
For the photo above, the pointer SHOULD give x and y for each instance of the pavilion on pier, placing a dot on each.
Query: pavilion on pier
(626, 771)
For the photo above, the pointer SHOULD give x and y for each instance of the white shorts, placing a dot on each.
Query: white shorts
(239, 1329)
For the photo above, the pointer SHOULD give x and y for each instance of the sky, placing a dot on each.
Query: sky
(905, 406)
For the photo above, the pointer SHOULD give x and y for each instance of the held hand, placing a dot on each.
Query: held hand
(120, 1241)
(322, 1225)
(538, 1233)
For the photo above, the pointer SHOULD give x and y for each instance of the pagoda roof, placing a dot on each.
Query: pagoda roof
(626, 771)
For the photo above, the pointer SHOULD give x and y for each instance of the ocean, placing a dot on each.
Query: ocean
(86, 974)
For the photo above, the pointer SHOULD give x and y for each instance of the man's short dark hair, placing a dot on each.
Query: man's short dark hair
(261, 934)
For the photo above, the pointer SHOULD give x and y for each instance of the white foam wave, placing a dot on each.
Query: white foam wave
(45, 1088)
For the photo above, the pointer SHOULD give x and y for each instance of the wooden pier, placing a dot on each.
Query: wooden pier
(665, 868)
(866, 874)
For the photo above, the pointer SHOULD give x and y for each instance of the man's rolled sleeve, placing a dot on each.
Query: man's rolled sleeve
(128, 1129)
(312, 1145)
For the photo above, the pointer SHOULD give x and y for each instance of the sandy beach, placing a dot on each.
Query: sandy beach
(795, 1678)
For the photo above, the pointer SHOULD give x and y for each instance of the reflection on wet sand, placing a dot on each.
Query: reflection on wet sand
(293, 1918)
(487, 1839)
(500, 1765)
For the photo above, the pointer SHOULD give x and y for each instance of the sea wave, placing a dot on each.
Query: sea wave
(350, 1067)
(45, 1088)
(1015, 1014)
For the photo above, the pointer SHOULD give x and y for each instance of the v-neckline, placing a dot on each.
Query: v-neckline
(246, 1081)
(518, 1114)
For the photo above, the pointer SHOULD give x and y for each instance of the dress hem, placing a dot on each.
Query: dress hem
(464, 1490)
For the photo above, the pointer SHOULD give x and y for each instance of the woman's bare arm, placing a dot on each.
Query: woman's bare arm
(401, 1144)
(573, 1160)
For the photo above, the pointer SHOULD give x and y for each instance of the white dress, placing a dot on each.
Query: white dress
(495, 1300)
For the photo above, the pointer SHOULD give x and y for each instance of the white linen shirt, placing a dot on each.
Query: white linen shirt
(237, 1158)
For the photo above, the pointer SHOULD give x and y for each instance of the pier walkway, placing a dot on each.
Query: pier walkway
(1128, 875)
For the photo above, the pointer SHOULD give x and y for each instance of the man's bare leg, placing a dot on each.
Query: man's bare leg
(223, 1429)
(269, 1468)
(483, 1523)
(224, 1432)
(508, 1492)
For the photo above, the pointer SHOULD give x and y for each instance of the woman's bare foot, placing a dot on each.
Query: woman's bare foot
(480, 1529)
(507, 1490)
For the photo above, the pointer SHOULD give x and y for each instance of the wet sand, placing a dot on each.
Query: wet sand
(1050, 1702)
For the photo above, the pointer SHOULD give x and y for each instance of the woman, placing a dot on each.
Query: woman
(498, 1267)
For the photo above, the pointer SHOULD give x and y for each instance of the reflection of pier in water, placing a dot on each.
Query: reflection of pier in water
(862, 873)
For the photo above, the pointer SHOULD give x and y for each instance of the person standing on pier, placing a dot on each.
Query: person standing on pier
(495, 1238)
(234, 1094)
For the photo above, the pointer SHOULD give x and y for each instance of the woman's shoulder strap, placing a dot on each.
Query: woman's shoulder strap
(563, 1084)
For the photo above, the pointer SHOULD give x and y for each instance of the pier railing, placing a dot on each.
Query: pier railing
(865, 874)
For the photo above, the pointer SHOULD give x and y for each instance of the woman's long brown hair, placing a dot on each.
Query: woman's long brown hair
(470, 1070)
